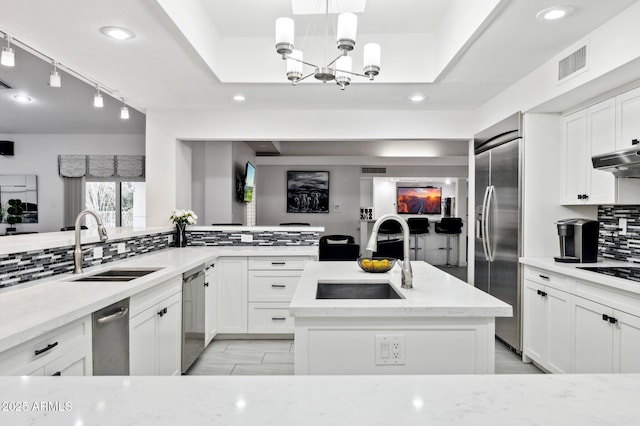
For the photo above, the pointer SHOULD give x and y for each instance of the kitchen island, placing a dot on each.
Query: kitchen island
(440, 326)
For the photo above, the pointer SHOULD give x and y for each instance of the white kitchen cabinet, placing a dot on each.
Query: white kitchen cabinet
(155, 330)
(627, 119)
(211, 303)
(586, 133)
(547, 321)
(607, 339)
(65, 351)
(271, 284)
(232, 293)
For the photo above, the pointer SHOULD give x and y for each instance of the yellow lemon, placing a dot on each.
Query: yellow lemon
(384, 263)
(366, 263)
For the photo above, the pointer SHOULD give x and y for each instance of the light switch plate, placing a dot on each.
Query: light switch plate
(169, 239)
(122, 247)
(622, 225)
(246, 238)
(390, 350)
(97, 252)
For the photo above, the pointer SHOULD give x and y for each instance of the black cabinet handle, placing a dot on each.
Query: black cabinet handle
(278, 286)
(579, 196)
(48, 348)
(544, 277)
(278, 319)
(206, 284)
(278, 263)
(541, 293)
(585, 196)
(57, 373)
(162, 312)
(635, 141)
(613, 320)
(605, 317)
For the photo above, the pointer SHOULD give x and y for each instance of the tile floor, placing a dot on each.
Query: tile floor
(275, 357)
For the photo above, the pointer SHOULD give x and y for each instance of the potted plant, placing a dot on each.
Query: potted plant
(182, 218)
(14, 213)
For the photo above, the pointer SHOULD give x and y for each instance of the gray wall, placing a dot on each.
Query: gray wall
(344, 189)
(37, 154)
(241, 154)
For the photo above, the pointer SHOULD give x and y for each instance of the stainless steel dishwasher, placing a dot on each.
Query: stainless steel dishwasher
(193, 305)
(110, 328)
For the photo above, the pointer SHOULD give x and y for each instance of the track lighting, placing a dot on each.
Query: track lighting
(124, 111)
(98, 102)
(8, 57)
(54, 78)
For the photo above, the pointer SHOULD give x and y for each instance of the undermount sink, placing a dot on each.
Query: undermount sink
(118, 274)
(373, 290)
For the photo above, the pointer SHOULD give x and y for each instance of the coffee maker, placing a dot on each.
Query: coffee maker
(578, 240)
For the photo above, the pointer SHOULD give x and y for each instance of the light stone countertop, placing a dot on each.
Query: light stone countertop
(451, 400)
(572, 270)
(31, 309)
(434, 294)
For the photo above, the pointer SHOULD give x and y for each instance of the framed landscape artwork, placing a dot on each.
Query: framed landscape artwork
(307, 192)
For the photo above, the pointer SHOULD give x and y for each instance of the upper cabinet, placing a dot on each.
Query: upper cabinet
(594, 131)
(627, 119)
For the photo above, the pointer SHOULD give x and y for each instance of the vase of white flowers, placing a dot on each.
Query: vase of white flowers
(182, 218)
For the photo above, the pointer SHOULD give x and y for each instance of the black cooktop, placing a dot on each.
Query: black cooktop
(627, 272)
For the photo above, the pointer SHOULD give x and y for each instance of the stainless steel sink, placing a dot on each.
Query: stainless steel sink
(336, 290)
(118, 274)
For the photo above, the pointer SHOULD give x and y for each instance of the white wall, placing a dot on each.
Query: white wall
(37, 154)
(542, 190)
(344, 189)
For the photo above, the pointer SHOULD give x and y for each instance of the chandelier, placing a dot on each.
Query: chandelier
(339, 69)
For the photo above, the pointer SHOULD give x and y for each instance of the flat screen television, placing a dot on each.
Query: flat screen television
(249, 182)
(419, 200)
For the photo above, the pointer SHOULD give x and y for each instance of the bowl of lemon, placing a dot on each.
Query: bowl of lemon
(376, 264)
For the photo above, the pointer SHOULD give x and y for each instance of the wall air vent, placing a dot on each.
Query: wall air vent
(4, 85)
(374, 170)
(572, 63)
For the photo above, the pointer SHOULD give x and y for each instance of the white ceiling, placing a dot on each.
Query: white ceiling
(167, 66)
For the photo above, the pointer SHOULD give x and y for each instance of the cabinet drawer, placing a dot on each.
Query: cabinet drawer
(46, 348)
(148, 298)
(278, 263)
(270, 318)
(547, 278)
(272, 286)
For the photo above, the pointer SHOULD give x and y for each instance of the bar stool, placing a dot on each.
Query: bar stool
(417, 226)
(390, 227)
(449, 226)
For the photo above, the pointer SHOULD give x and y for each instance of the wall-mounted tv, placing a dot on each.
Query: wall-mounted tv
(249, 182)
(419, 200)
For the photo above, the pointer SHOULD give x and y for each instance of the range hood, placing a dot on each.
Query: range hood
(625, 163)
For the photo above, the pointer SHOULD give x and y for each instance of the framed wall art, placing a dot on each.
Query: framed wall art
(307, 192)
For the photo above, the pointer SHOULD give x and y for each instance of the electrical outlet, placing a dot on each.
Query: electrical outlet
(97, 252)
(122, 247)
(169, 239)
(390, 350)
(246, 238)
(622, 226)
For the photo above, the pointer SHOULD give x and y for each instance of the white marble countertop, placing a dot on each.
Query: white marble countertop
(31, 309)
(434, 294)
(323, 400)
(572, 270)
(258, 228)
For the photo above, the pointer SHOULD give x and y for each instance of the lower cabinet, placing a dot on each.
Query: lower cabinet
(155, 331)
(254, 293)
(211, 303)
(607, 340)
(547, 318)
(65, 351)
(564, 332)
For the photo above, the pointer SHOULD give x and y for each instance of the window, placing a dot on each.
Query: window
(118, 203)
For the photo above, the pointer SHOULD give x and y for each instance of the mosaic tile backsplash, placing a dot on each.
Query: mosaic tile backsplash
(16, 268)
(612, 244)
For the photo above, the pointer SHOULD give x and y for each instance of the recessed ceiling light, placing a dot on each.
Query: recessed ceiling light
(554, 13)
(417, 98)
(239, 98)
(23, 99)
(118, 33)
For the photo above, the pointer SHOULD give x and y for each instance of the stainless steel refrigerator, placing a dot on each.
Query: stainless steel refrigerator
(498, 218)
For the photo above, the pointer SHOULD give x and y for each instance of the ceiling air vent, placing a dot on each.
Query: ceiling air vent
(374, 170)
(572, 63)
(4, 85)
